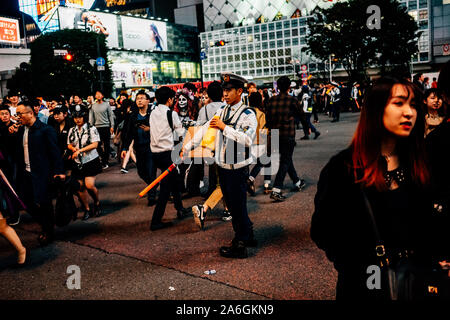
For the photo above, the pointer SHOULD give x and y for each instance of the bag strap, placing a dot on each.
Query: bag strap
(379, 248)
(170, 119)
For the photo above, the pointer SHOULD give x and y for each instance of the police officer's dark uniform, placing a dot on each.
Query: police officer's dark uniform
(232, 154)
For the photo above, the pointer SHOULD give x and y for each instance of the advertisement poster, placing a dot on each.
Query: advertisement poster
(74, 18)
(144, 34)
(9, 31)
(132, 68)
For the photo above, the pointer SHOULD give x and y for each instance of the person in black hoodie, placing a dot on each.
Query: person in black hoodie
(138, 130)
(386, 161)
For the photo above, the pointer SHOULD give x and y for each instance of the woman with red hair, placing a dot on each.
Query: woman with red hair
(385, 164)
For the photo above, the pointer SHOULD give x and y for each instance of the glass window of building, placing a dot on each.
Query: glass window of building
(257, 37)
(294, 23)
(188, 70)
(244, 48)
(272, 44)
(294, 32)
(224, 59)
(266, 71)
(302, 40)
(169, 68)
(244, 57)
(219, 68)
(423, 14)
(287, 24)
(302, 31)
(412, 5)
(245, 73)
(251, 56)
(264, 36)
(265, 54)
(295, 42)
(287, 33)
(287, 42)
(279, 34)
(238, 65)
(287, 52)
(266, 63)
(223, 50)
(244, 65)
(272, 53)
(236, 41)
(250, 47)
(423, 24)
(302, 22)
(236, 49)
(237, 57)
(263, 28)
(280, 52)
(230, 49)
(271, 26)
(203, 36)
(271, 35)
(259, 72)
(281, 70)
(258, 63)
(249, 30)
(424, 56)
(230, 58)
(423, 4)
(256, 29)
(413, 14)
(279, 25)
(217, 60)
(258, 46)
(242, 31)
(264, 46)
(279, 43)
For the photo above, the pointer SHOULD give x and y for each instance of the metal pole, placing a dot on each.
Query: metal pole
(331, 78)
(99, 72)
(199, 41)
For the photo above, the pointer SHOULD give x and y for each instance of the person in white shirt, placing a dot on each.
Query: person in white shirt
(163, 123)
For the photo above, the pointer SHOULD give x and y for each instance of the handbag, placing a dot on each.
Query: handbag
(405, 279)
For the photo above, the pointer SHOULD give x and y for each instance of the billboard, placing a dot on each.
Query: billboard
(75, 18)
(144, 34)
(132, 68)
(9, 31)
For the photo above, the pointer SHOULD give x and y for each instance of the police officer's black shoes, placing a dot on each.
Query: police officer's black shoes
(251, 187)
(236, 250)
(304, 138)
(183, 213)
(299, 186)
(160, 225)
(199, 215)
(316, 134)
(277, 196)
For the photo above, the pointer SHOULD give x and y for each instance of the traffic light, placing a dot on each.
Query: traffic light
(220, 43)
(68, 57)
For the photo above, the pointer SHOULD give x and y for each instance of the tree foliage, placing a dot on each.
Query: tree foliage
(343, 30)
(53, 75)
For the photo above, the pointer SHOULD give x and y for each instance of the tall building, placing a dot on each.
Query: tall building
(264, 38)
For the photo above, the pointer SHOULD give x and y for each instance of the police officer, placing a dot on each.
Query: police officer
(236, 128)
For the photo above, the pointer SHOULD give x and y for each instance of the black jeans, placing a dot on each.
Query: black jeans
(286, 164)
(257, 168)
(234, 188)
(43, 212)
(145, 167)
(168, 185)
(105, 140)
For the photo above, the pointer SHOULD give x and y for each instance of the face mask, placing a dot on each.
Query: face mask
(182, 102)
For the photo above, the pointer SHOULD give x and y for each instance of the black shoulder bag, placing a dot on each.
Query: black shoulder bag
(402, 278)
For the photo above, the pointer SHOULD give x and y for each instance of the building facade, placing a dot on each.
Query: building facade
(265, 38)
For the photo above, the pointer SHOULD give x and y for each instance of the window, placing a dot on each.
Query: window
(223, 50)
(266, 63)
(423, 14)
(257, 37)
(258, 63)
(264, 46)
(249, 30)
(230, 58)
(271, 35)
(287, 42)
(423, 4)
(258, 54)
(423, 24)
(169, 68)
(302, 40)
(272, 53)
(230, 49)
(279, 25)
(287, 52)
(294, 23)
(251, 56)
(287, 33)
(267, 71)
(217, 60)
(424, 56)
(250, 47)
(279, 34)
(271, 26)
(264, 36)
(302, 22)
(279, 43)
(242, 31)
(244, 65)
(237, 57)
(243, 57)
(280, 52)
(244, 48)
(224, 59)
(236, 49)
(272, 44)
(302, 31)
(287, 24)
(412, 5)
(294, 32)
(256, 29)
(265, 54)
(295, 42)
(264, 28)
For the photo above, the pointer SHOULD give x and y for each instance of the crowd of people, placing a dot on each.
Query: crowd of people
(394, 157)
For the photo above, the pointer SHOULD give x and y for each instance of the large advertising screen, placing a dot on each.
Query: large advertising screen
(144, 34)
(9, 31)
(74, 18)
(132, 68)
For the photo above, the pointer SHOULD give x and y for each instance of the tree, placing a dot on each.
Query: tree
(21, 81)
(54, 75)
(343, 30)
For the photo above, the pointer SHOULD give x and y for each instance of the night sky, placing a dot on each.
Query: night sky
(9, 7)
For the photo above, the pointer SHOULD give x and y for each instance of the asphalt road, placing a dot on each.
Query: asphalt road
(120, 258)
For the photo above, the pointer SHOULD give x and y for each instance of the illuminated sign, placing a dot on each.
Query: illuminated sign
(73, 18)
(144, 34)
(9, 31)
